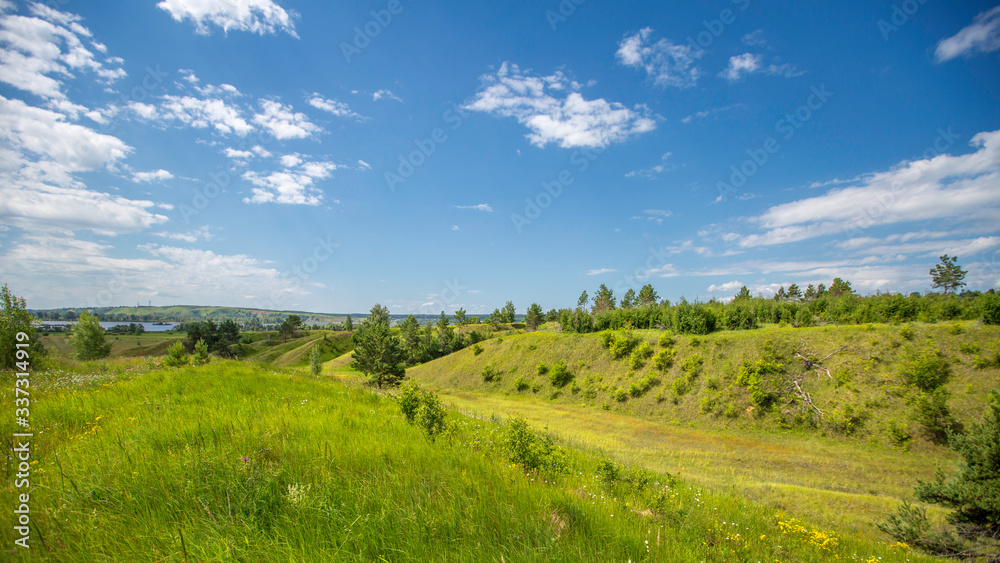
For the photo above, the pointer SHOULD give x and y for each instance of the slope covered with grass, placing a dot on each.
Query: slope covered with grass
(229, 462)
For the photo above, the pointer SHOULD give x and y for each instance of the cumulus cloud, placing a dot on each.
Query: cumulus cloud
(255, 16)
(154, 176)
(725, 287)
(282, 121)
(200, 114)
(982, 36)
(337, 108)
(295, 184)
(553, 109)
(39, 51)
(945, 186)
(666, 63)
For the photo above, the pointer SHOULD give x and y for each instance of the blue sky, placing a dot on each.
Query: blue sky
(290, 154)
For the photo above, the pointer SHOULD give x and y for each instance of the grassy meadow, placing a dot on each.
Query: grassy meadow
(239, 462)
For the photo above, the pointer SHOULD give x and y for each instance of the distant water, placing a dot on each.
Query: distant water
(150, 327)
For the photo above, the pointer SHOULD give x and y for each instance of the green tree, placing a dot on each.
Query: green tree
(176, 355)
(743, 295)
(794, 292)
(948, 275)
(840, 287)
(349, 324)
(648, 296)
(604, 299)
(810, 293)
(315, 360)
(409, 330)
(14, 319)
(289, 326)
(629, 300)
(534, 318)
(200, 353)
(508, 312)
(88, 339)
(974, 491)
(582, 301)
(460, 317)
(496, 317)
(377, 352)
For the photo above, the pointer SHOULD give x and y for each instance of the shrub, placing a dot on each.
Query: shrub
(664, 359)
(422, 408)
(986, 362)
(176, 355)
(845, 421)
(666, 339)
(430, 415)
(692, 366)
(926, 370)
(969, 348)
(200, 353)
(622, 343)
(619, 394)
(477, 349)
(522, 446)
(560, 375)
(932, 413)
(707, 404)
(758, 378)
(898, 436)
(490, 373)
(989, 308)
(906, 332)
(680, 386)
(712, 384)
(804, 319)
(541, 369)
(520, 384)
(636, 361)
(315, 360)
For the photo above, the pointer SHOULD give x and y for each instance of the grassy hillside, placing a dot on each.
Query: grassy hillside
(843, 470)
(230, 462)
(864, 396)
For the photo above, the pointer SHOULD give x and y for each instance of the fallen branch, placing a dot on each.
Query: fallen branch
(806, 398)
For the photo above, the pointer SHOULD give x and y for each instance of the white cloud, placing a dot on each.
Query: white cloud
(291, 160)
(38, 51)
(283, 187)
(725, 287)
(238, 154)
(709, 112)
(667, 64)
(190, 236)
(200, 114)
(255, 16)
(747, 63)
(481, 207)
(982, 35)
(601, 271)
(145, 111)
(552, 108)
(385, 95)
(61, 269)
(283, 122)
(362, 165)
(754, 38)
(654, 215)
(654, 171)
(455, 228)
(338, 109)
(156, 175)
(956, 187)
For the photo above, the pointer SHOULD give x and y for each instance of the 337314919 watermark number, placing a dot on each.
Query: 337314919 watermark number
(22, 441)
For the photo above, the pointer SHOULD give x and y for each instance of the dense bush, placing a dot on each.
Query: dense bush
(758, 378)
(560, 375)
(531, 451)
(926, 369)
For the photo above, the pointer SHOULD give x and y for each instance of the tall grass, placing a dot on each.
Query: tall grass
(234, 462)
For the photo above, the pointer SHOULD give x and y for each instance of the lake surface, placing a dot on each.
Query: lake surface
(150, 327)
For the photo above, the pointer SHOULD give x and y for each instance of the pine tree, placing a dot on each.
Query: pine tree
(743, 295)
(534, 318)
(508, 313)
(648, 296)
(377, 352)
(315, 360)
(604, 299)
(948, 275)
(629, 300)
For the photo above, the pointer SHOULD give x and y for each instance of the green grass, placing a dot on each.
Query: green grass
(147, 344)
(780, 456)
(231, 462)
